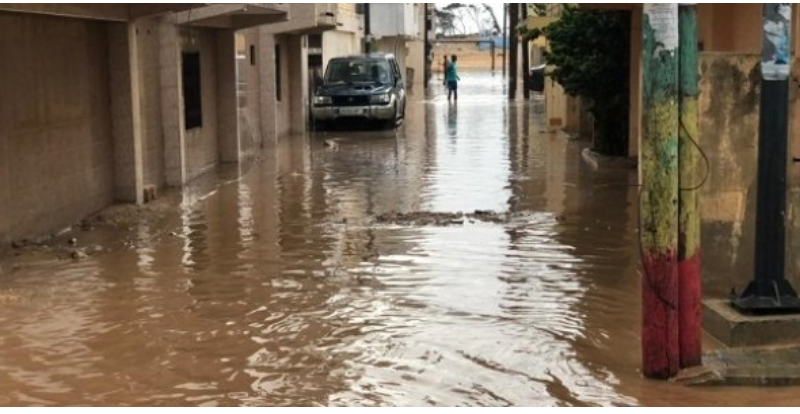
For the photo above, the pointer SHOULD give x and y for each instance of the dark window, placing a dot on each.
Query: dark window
(315, 61)
(350, 70)
(192, 101)
(314, 41)
(278, 72)
(252, 55)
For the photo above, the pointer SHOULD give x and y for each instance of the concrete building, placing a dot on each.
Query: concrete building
(109, 102)
(296, 53)
(399, 28)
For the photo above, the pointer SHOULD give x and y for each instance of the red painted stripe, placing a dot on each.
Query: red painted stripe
(690, 312)
(660, 345)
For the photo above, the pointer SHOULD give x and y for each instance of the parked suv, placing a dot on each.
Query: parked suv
(368, 87)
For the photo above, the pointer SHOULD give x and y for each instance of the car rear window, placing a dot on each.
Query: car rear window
(358, 70)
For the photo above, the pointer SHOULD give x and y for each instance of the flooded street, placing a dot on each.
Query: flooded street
(273, 283)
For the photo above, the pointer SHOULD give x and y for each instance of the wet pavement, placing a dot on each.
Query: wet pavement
(275, 283)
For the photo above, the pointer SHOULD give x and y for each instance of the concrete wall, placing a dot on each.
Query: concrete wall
(290, 113)
(147, 39)
(337, 43)
(410, 55)
(396, 19)
(415, 60)
(730, 27)
(249, 90)
(729, 106)
(56, 152)
(283, 106)
(306, 16)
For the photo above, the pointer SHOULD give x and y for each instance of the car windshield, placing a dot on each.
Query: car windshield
(358, 70)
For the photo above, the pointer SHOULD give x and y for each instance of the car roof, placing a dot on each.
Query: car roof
(380, 56)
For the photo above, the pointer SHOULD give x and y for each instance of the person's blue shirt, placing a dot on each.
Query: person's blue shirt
(451, 73)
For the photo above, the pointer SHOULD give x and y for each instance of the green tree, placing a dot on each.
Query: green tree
(590, 55)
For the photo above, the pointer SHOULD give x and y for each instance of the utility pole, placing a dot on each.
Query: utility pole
(769, 291)
(367, 30)
(512, 50)
(505, 37)
(659, 192)
(491, 50)
(526, 90)
(690, 293)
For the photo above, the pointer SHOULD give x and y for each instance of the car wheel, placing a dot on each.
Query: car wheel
(320, 126)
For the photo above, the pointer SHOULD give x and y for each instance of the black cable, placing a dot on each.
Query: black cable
(705, 160)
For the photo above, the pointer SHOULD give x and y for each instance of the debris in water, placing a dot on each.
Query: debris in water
(78, 254)
(424, 218)
(332, 144)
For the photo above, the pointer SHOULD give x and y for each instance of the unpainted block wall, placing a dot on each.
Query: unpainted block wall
(147, 38)
(56, 154)
(249, 87)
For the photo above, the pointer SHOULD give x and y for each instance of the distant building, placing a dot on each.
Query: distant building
(399, 28)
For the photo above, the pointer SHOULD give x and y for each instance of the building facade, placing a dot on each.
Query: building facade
(105, 103)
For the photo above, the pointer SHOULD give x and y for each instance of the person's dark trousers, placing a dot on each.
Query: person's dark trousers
(452, 89)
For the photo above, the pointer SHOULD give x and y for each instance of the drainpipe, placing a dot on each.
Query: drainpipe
(690, 303)
(658, 213)
(769, 291)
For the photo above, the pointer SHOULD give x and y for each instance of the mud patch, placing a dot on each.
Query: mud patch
(439, 219)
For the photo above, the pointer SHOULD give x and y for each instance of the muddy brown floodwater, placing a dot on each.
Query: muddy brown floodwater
(274, 284)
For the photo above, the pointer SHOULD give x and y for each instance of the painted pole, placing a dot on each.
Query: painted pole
(690, 290)
(769, 291)
(659, 198)
(513, 49)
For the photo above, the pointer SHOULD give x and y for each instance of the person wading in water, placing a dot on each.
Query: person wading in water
(451, 79)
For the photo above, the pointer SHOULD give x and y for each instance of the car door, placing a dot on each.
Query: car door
(400, 86)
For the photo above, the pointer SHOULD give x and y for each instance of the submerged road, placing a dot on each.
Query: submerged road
(273, 284)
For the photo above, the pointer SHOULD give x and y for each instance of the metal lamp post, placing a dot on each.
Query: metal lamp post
(769, 291)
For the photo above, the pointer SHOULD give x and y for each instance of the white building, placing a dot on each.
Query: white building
(399, 28)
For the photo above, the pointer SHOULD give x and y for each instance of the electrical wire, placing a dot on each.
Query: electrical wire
(705, 160)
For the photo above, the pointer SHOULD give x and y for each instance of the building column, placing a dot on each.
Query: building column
(267, 92)
(126, 118)
(298, 83)
(172, 105)
(227, 104)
